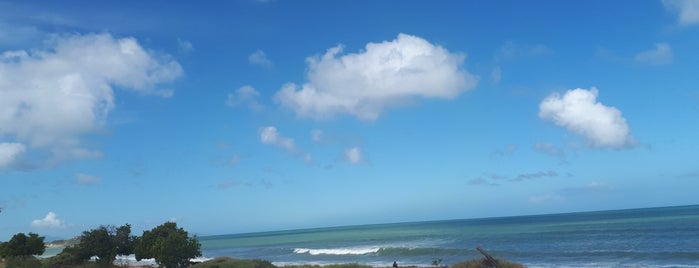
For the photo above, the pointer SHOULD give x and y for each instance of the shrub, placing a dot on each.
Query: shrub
(225, 262)
(478, 263)
(22, 262)
(168, 245)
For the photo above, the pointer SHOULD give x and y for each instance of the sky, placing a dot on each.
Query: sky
(247, 116)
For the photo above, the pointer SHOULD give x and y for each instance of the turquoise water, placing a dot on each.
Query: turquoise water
(653, 237)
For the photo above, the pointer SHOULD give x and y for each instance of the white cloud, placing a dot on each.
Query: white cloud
(688, 10)
(546, 199)
(549, 149)
(184, 45)
(245, 96)
(260, 58)
(87, 179)
(496, 75)
(50, 98)
(228, 184)
(579, 112)
(662, 54)
(383, 75)
(591, 188)
(354, 155)
(234, 161)
(510, 51)
(9, 153)
(317, 135)
(270, 135)
(482, 181)
(50, 221)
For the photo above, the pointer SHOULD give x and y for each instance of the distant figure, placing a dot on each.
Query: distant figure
(395, 265)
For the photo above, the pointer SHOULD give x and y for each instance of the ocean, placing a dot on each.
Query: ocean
(651, 237)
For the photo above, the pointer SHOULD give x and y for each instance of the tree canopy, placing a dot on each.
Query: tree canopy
(23, 245)
(168, 245)
(106, 242)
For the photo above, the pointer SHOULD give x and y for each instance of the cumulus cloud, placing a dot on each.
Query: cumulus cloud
(48, 222)
(687, 10)
(662, 54)
(270, 135)
(245, 96)
(10, 153)
(86, 179)
(579, 112)
(354, 155)
(50, 98)
(383, 75)
(260, 58)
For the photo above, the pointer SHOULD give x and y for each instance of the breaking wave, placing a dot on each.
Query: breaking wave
(337, 251)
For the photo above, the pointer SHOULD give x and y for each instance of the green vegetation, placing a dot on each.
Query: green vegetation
(478, 263)
(23, 245)
(105, 242)
(225, 262)
(169, 246)
(20, 251)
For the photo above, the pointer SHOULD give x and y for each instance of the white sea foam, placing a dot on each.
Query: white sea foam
(337, 251)
(131, 260)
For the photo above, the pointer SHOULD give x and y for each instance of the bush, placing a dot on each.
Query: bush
(69, 257)
(23, 245)
(168, 245)
(478, 263)
(225, 262)
(22, 262)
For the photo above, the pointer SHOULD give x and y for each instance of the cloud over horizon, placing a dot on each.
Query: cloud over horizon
(579, 112)
(51, 98)
(270, 135)
(383, 75)
(260, 58)
(51, 221)
(687, 10)
(87, 179)
(354, 155)
(661, 55)
(245, 96)
(10, 153)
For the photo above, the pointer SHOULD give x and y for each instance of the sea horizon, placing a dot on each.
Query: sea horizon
(648, 237)
(199, 235)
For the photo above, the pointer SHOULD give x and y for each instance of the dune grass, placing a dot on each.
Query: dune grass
(225, 262)
(478, 263)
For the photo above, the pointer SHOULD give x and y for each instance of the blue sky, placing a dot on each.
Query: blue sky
(250, 116)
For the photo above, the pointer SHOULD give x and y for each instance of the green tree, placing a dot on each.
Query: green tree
(23, 245)
(168, 245)
(106, 242)
(19, 250)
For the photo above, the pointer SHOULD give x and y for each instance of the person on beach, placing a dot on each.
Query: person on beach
(395, 264)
